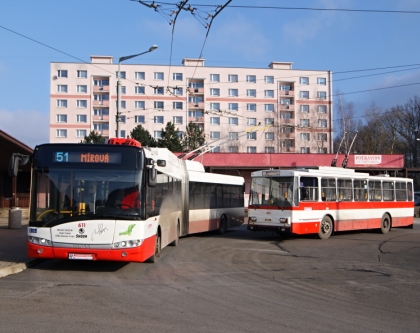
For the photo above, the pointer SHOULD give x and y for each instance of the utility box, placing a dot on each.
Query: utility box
(15, 218)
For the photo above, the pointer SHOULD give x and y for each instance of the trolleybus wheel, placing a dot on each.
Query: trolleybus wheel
(154, 257)
(222, 225)
(385, 224)
(176, 241)
(325, 228)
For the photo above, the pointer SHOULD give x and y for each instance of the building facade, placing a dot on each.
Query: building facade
(255, 110)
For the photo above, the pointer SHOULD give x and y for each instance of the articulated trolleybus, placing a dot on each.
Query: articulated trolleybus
(327, 199)
(122, 202)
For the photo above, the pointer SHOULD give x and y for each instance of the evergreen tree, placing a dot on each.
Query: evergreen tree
(143, 136)
(170, 138)
(193, 138)
(93, 137)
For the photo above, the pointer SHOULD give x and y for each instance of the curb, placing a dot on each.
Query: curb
(17, 268)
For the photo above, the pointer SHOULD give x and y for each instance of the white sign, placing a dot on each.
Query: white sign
(367, 159)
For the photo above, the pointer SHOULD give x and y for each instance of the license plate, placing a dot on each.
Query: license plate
(80, 256)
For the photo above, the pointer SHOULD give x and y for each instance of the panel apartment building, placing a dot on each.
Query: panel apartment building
(256, 110)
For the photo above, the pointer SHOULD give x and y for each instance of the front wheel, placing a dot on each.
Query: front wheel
(385, 224)
(325, 228)
(154, 257)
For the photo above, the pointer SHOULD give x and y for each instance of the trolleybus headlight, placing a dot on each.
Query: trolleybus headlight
(252, 219)
(40, 241)
(127, 244)
(283, 219)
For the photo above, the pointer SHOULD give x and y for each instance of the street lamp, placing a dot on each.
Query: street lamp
(118, 117)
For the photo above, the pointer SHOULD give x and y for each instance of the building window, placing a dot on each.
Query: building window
(322, 150)
(304, 108)
(139, 119)
(157, 134)
(81, 118)
(177, 120)
(322, 81)
(82, 74)
(251, 121)
(158, 76)
(322, 136)
(304, 136)
(139, 90)
(233, 135)
(285, 87)
(82, 89)
(233, 78)
(215, 149)
(61, 133)
(269, 150)
(101, 112)
(139, 105)
(233, 149)
(233, 121)
(177, 76)
(268, 121)
(269, 93)
(122, 134)
(251, 136)
(268, 79)
(101, 83)
(269, 136)
(81, 103)
(322, 123)
(61, 103)
(139, 76)
(158, 105)
(177, 105)
(214, 77)
(62, 73)
(215, 135)
(61, 118)
(304, 123)
(285, 101)
(251, 79)
(233, 92)
(158, 119)
(122, 75)
(321, 94)
(101, 127)
(62, 88)
(251, 149)
(158, 90)
(251, 93)
(233, 106)
(178, 91)
(123, 104)
(122, 90)
(215, 120)
(269, 107)
(305, 150)
(322, 109)
(80, 133)
(215, 106)
(214, 92)
(304, 94)
(304, 80)
(251, 107)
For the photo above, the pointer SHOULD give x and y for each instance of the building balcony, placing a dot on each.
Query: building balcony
(289, 93)
(199, 105)
(106, 118)
(287, 135)
(196, 91)
(100, 103)
(101, 88)
(102, 132)
(287, 107)
(196, 119)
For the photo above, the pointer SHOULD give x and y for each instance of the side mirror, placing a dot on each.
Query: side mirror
(161, 163)
(15, 161)
(152, 173)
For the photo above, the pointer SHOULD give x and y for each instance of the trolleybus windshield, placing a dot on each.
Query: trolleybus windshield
(273, 191)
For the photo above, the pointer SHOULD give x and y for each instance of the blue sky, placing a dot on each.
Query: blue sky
(243, 37)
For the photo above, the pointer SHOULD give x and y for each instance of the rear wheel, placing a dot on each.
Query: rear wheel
(385, 224)
(325, 228)
(222, 225)
(154, 257)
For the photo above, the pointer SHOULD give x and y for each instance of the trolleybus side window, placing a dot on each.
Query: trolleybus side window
(401, 191)
(344, 187)
(388, 191)
(375, 191)
(308, 189)
(328, 189)
(410, 191)
(360, 190)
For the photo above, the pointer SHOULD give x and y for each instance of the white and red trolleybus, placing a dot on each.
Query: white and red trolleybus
(326, 199)
(121, 201)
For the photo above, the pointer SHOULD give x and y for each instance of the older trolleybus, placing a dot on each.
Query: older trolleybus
(120, 201)
(324, 200)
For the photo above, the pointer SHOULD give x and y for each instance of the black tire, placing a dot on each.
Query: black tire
(222, 225)
(176, 241)
(154, 257)
(385, 224)
(325, 228)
